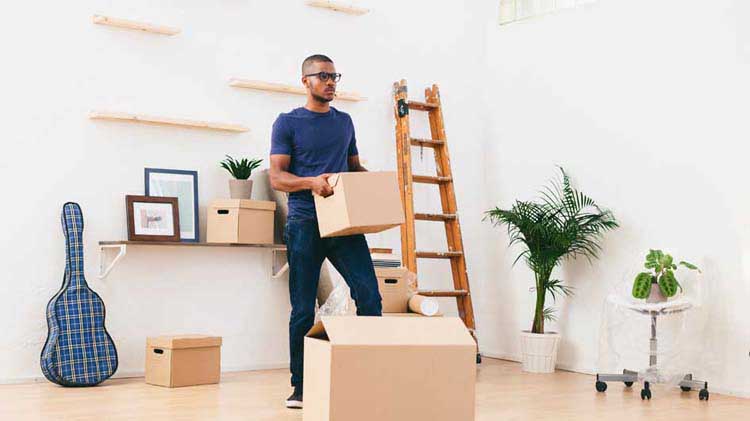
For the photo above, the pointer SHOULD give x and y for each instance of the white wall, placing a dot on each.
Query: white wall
(640, 100)
(59, 66)
(643, 102)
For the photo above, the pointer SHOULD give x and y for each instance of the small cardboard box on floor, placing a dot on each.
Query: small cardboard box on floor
(392, 284)
(183, 360)
(240, 221)
(361, 203)
(389, 369)
(398, 296)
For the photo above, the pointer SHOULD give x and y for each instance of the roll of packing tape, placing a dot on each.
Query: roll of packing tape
(424, 305)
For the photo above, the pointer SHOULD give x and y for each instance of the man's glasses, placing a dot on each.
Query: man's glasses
(325, 76)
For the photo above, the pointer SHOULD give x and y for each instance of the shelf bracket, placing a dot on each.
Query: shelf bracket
(104, 268)
(280, 264)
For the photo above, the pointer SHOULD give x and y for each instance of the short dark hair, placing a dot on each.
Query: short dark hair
(315, 58)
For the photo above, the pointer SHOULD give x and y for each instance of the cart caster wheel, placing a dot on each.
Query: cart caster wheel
(601, 386)
(686, 388)
(628, 384)
(646, 391)
(479, 358)
(703, 394)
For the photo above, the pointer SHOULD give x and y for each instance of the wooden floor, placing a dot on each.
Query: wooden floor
(503, 393)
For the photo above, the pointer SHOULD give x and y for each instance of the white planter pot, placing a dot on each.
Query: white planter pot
(539, 351)
(656, 296)
(240, 189)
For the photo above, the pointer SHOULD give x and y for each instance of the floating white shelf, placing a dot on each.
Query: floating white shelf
(280, 266)
(287, 89)
(338, 7)
(138, 26)
(166, 121)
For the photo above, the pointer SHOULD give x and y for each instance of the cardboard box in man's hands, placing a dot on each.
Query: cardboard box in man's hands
(361, 203)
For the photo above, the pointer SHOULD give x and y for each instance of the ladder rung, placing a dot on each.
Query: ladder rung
(438, 254)
(381, 250)
(422, 106)
(428, 179)
(435, 216)
(444, 293)
(429, 143)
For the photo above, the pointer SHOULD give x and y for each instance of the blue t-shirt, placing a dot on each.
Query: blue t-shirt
(318, 143)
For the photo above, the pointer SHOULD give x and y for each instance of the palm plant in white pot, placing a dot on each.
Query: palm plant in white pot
(565, 223)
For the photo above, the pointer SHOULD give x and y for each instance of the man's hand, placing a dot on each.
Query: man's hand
(319, 185)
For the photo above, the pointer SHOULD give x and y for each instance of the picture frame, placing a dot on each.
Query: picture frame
(182, 184)
(153, 218)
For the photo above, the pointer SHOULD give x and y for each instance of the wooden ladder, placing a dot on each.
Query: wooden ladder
(444, 181)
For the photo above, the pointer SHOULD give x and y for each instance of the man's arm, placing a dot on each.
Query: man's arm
(283, 180)
(355, 165)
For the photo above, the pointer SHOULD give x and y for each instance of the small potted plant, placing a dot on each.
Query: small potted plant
(660, 283)
(565, 223)
(240, 187)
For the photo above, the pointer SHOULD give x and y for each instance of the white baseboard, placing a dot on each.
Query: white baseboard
(740, 393)
(141, 373)
(23, 380)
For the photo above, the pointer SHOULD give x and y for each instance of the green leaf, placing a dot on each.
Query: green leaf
(241, 169)
(549, 314)
(668, 283)
(689, 266)
(652, 259)
(555, 287)
(642, 285)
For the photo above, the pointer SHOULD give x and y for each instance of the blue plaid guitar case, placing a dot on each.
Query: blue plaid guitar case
(78, 351)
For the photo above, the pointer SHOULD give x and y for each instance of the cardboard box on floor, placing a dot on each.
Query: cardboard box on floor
(183, 360)
(361, 203)
(397, 292)
(392, 284)
(389, 368)
(240, 221)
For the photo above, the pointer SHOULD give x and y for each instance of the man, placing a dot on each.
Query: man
(308, 144)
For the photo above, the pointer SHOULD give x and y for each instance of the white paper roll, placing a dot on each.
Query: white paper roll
(424, 305)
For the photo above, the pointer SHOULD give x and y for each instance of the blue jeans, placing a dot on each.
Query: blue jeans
(305, 253)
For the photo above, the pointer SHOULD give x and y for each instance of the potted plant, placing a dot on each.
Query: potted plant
(240, 187)
(659, 284)
(564, 223)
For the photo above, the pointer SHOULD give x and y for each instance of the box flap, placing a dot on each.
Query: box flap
(334, 179)
(183, 341)
(399, 272)
(317, 331)
(244, 204)
(362, 330)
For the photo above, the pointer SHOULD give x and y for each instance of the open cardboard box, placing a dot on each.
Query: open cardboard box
(389, 369)
(361, 203)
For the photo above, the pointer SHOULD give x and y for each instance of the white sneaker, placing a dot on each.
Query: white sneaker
(295, 400)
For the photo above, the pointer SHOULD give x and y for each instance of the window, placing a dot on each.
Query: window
(514, 10)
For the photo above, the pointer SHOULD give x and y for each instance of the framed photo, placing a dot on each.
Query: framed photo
(183, 185)
(153, 218)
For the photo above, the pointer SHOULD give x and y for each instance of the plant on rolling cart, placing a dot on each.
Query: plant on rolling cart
(565, 223)
(240, 187)
(662, 274)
